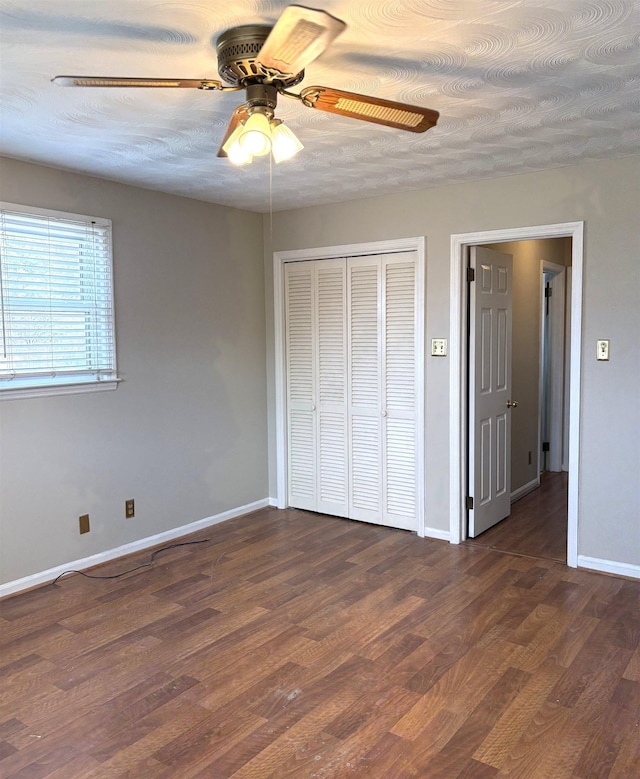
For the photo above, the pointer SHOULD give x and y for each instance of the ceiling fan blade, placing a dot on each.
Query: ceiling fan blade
(108, 81)
(300, 35)
(239, 115)
(370, 109)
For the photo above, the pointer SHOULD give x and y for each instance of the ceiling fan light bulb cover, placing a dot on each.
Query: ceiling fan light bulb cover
(255, 135)
(234, 149)
(284, 143)
(237, 155)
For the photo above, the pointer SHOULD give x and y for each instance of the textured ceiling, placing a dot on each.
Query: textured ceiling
(520, 85)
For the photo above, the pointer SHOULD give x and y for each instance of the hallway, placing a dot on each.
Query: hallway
(537, 526)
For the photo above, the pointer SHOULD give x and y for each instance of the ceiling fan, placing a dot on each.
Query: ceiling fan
(265, 62)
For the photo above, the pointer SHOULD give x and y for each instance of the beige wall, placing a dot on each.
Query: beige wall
(605, 196)
(527, 292)
(185, 433)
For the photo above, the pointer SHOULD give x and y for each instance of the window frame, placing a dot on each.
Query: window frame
(27, 387)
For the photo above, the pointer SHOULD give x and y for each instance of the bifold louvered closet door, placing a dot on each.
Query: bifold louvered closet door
(351, 387)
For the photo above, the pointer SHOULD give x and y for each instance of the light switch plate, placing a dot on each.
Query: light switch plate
(438, 347)
(602, 349)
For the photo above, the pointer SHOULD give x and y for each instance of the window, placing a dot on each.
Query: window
(56, 303)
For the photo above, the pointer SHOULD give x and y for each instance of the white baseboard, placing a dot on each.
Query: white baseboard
(434, 532)
(525, 489)
(609, 566)
(273, 502)
(36, 579)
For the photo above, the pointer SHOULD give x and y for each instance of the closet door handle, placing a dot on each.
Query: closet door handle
(313, 407)
(384, 412)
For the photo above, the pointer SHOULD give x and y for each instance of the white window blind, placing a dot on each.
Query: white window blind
(56, 299)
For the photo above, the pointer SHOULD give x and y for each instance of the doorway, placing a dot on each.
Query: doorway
(555, 342)
(378, 290)
(459, 372)
(537, 525)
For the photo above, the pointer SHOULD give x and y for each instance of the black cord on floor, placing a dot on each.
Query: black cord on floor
(137, 568)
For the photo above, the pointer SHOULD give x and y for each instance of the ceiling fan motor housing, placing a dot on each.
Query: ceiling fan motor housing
(238, 49)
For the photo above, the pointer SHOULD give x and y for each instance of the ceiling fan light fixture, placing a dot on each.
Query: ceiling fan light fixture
(234, 150)
(284, 143)
(255, 135)
(265, 61)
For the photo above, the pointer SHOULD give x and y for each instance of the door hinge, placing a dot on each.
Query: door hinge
(469, 503)
(545, 446)
(548, 291)
(471, 274)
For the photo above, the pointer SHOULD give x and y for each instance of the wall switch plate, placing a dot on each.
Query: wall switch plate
(438, 347)
(83, 521)
(129, 509)
(602, 349)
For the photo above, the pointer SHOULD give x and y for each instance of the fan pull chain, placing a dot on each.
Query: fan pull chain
(271, 200)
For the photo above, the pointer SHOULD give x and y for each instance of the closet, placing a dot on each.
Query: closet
(352, 391)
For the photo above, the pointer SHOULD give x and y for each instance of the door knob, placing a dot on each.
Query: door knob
(512, 404)
(384, 413)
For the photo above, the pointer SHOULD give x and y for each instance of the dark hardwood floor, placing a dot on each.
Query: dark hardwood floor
(295, 645)
(537, 525)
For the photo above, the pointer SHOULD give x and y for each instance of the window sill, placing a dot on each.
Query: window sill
(66, 388)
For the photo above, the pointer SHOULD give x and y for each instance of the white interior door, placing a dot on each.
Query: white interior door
(365, 390)
(331, 386)
(399, 391)
(351, 334)
(316, 353)
(300, 361)
(490, 402)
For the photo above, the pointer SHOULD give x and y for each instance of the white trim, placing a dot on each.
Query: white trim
(556, 345)
(458, 377)
(272, 502)
(525, 489)
(280, 380)
(38, 211)
(575, 378)
(350, 250)
(37, 579)
(58, 389)
(420, 335)
(416, 244)
(436, 533)
(609, 566)
(567, 369)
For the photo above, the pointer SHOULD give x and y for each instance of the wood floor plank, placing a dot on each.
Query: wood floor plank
(510, 727)
(537, 525)
(549, 746)
(291, 644)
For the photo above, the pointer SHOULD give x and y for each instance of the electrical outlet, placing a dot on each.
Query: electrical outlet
(83, 521)
(129, 509)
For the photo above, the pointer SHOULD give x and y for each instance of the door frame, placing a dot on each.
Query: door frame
(555, 380)
(458, 369)
(417, 244)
